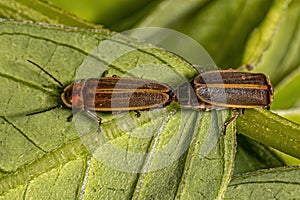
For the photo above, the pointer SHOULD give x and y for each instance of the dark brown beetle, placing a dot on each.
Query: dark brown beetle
(112, 94)
(223, 89)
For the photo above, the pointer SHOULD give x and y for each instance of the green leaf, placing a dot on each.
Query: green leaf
(62, 168)
(252, 156)
(286, 97)
(280, 57)
(100, 11)
(288, 160)
(166, 153)
(292, 114)
(192, 185)
(41, 12)
(280, 183)
(264, 35)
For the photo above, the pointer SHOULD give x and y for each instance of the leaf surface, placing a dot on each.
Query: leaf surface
(41, 12)
(277, 183)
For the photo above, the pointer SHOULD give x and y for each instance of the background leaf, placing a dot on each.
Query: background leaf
(109, 13)
(39, 11)
(277, 183)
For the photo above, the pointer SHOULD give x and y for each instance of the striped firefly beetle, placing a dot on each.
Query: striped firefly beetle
(112, 94)
(222, 89)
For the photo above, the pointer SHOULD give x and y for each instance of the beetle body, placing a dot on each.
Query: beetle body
(116, 94)
(234, 89)
(112, 94)
(221, 89)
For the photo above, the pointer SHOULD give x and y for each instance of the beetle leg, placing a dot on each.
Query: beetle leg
(69, 119)
(105, 73)
(74, 111)
(137, 113)
(235, 115)
(95, 116)
(249, 67)
(243, 110)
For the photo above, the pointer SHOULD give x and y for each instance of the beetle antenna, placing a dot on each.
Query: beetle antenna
(57, 81)
(42, 111)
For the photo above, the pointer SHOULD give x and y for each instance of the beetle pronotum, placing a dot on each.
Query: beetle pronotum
(112, 94)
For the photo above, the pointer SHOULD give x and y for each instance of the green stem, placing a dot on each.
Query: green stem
(270, 129)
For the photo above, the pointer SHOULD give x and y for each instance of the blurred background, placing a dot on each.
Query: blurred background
(109, 13)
